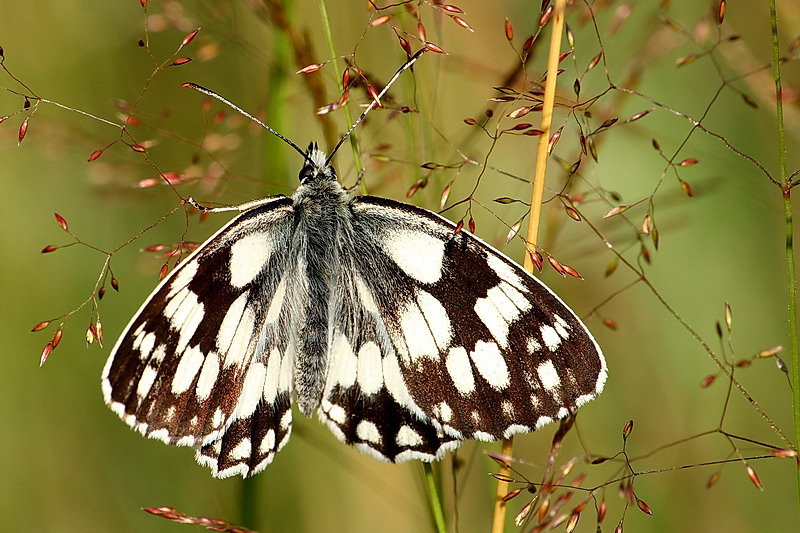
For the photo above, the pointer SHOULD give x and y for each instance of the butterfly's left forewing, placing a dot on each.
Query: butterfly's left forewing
(206, 362)
(447, 339)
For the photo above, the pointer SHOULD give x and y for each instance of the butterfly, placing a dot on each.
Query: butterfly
(404, 333)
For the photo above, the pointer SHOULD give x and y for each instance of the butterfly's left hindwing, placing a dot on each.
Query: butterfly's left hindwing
(442, 338)
(206, 362)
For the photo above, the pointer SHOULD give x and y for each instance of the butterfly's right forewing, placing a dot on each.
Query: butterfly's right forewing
(207, 360)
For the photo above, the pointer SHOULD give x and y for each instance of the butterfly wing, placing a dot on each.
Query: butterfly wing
(207, 360)
(450, 340)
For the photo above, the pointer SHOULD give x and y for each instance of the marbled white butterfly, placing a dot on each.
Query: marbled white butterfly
(405, 334)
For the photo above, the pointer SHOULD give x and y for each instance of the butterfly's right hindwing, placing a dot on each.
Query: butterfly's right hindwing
(207, 360)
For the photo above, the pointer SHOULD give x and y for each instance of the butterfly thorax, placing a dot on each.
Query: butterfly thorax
(322, 214)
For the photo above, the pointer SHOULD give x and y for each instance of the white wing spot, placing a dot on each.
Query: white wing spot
(490, 363)
(408, 437)
(436, 318)
(146, 344)
(460, 370)
(343, 363)
(183, 276)
(188, 325)
(286, 421)
(365, 295)
(275, 306)
(561, 327)
(272, 376)
(368, 431)
(146, 381)
(513, 429)
(370, 368)
(533, 346)
(484, 436)
(208, 377)
(548, 376)
(418, 254)
(159, 353)
(251, 392)
(189, 364)
(550, 337)
(268, 442)
(417, 333)
(236, 332)
(505, 271)
(396, 386)
(492, 319)
(217, 420)
(444, 411)
(337, 414)
(249, 255)
(242, 450)
(508, 408)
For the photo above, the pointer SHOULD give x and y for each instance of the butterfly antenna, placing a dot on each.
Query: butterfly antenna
(211, 93)
(376, 101)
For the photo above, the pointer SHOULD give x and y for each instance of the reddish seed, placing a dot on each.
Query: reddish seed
(346, 78)
(770, 352)
(574, 215)
(163, 272)
(783, 453)
(99, 332)
(138, 148)
(572, 523)
(90, 334)
(114, 283)
(556, 265)
(553, 141)
(509, 31)
(639, 115)
(459, 227)
(728, 316)
(571, 271)
(189, 38)
(520, 112)
(685, 60)
(49, 248)
(40, 326)
(643, 506)
(343, 98)
(511, 495)
(421, 31)
(101, 292)
(463, 23)
(144, 3)
(528, 44)
(471, 225)
(754, 478)
(434, 48)
(712, 480)
(445, 195)
(537, 259)
(405, 45)
(521, 126)
(616, 211)
(721, 11)
(45, 353)
(610, 324)
(688, 162)
(514, 230)
(601, 512)
(310, 68)
(545, 18)
(95, 155)
(687, 189)
(470, 121)
(594, 62)
(708, 380)
(452, 9)
(520, 518)
(377, 21)
(533, 133)
(180, 61)
(743, 363)
(61, 222)
(57, 338)
(626, 431)
(23, 129)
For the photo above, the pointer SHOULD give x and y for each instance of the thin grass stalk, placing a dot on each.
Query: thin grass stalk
(786, 188)
(437, 511)
(537, 193)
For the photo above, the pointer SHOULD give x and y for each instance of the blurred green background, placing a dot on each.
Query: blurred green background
(68, 463)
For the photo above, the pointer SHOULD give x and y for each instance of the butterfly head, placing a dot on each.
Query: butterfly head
(316, 167)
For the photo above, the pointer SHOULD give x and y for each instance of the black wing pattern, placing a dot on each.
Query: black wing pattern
(207, 360)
